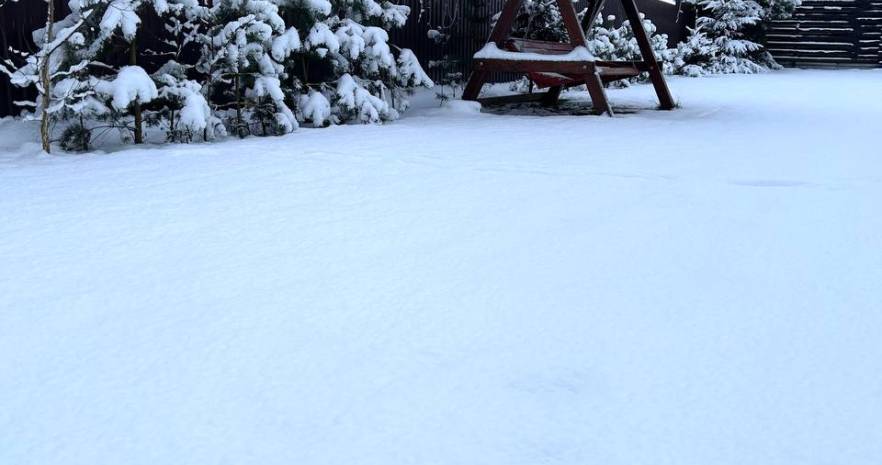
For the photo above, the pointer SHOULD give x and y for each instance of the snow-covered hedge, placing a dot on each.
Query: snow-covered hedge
(246, 67)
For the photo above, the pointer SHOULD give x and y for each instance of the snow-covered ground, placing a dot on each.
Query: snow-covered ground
(698, 287)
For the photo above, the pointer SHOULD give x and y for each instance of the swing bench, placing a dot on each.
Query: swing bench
(556, 66)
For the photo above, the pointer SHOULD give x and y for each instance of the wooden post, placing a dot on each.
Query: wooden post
(665, 99)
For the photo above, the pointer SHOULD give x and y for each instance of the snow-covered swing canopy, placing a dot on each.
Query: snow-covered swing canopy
(555, 65)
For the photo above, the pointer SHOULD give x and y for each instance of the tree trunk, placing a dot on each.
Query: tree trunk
(133, 60)
(239, 128)
(45, 78)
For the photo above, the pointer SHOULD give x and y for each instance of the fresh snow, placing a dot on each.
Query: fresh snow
(322, 39)
(320, 6)
(196, 114)
(410, 71)
(121, 15)
(131, 84)
(285, 44)
(696, 287)
(491, 51)
(357, 99)
(316, 107)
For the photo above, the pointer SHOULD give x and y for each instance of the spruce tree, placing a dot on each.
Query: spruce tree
(618, 43)
(540, 20)
(50, 68)
(243, 51)
(729, 35)
(181, 110)
(353, 64)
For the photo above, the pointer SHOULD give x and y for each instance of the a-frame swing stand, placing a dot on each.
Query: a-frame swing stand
(556, 66)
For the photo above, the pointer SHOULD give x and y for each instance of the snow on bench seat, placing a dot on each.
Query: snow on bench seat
(492, 52)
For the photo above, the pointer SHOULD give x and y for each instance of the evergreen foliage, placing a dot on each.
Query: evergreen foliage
(244, 67)
(729, 36)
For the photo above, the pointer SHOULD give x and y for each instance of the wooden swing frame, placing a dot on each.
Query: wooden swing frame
(556, 65)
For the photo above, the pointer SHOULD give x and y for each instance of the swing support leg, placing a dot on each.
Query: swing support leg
(550, 98)
(665, 99)
(473, 87)
(598, 94)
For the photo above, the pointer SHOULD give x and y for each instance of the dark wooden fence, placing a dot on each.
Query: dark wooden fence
(466, 21)
(828, 33)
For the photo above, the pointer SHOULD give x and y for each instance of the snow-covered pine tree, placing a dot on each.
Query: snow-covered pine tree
(41, 65)
(691, 56)
(181, 109)
(50, 67)
(118, 29)
(73, 84)
(243, 50)
(265, 63)
(441, 34)
(540, 20)
(89, 90)
(346, 69)
(720, 42)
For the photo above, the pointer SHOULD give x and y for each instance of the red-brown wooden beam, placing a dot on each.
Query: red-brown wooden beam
(665, 99)
(571, 22)
(533, 66)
